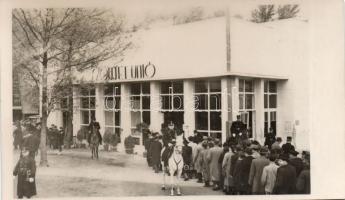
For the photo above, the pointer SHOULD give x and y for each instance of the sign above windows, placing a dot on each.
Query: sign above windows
(143, 71)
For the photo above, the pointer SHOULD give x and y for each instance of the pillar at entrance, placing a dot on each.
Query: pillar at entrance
(125, 119)
(188, 101)
(260, 112)
(225, 111)
(76, 111)
(155, 114)
(100, 107)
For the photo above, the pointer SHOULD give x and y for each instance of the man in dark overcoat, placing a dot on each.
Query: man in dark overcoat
(155, 149)
(270, 138)
(244, 172)
(296, 162)
(286, 177)
(237, 129)
(148, 149)
(25, 169)
(187, 159)
(288, 147)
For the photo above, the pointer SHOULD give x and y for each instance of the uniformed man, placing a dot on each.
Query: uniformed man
(237, 128)
(169, 134)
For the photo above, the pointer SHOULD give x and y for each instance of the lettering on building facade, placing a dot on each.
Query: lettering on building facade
(130, 72)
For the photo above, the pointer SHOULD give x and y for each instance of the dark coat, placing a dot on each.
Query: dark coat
(237, 174)
(298, 164)
(25, 169)
(168, 135)
(155, 151)
(187, 155)
(31, 143)
(237, 127)
(287, 148)
(244, 172)
(286, 180)
(303, 182)
(233, 161)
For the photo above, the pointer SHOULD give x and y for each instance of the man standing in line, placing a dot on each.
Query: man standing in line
(286, 177)
(276, 145)
(213, 158)
(288, 147)
(244, 172)
(269, 175)
(256, 169)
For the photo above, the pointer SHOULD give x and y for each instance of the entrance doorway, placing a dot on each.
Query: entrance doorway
(177, 117)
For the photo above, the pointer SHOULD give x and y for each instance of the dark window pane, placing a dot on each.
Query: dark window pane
(266, 86)
(84, 91)
(241, 86)
(265, 101)
(108, 90)
(117, 102)
(201, 102)
(216, 121)
(117, 118)
(165, 87)
(85, 117)
(273, 116)
(273, 101)
(93, 114)
(135, 88)
(201, 120)
(146, 117)
(135, 102)
(178, 87)
(200, 87)
(92, 102)
(178, 102)
(84, 102)
(118, 133)
(146, 102)
(273, 86)
(92, 91)
(166, 102)
(249, 86)
(135, 118)
(145, 88)
(215, 86)
(249, 101)
(266, 116)
(215, 101)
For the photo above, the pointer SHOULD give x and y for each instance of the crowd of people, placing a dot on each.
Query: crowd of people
(239, 166)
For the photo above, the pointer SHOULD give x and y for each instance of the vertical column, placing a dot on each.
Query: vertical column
(188, 101)
(224, 106)
(156, 116)
(235, 97)
(260, 112)
(76, 110)
(125, 119)
(100, 107)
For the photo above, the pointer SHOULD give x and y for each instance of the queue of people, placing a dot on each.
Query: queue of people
(239, 166)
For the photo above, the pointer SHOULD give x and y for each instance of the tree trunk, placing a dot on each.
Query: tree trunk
(69, 130)
(43, 146)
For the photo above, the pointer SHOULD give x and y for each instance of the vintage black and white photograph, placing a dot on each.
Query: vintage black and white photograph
(158, 100)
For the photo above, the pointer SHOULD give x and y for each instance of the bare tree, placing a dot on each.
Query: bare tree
(287, 11)
(54, 42)
(263, 13)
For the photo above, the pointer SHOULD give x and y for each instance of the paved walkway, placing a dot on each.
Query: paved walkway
(74, 173)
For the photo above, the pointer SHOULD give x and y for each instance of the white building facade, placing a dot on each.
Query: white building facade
(201, 75)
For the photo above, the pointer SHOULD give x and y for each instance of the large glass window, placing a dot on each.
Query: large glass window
(247, 104)
(270, 105)
(140, 106)
(87, 104)
(172, 96)
(207, 104)
(112, 105)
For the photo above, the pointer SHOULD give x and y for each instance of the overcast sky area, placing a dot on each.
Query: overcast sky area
(136, 12)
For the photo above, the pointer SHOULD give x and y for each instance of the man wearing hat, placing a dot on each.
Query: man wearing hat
(169, 134)
(197, 160)
(303, 180)
(296, 162)
(286, 177)
(287, 147)
(276, 145)
(205, 165)
(213, 157)
(256, 169)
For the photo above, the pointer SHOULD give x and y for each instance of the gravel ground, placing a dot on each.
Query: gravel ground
(75, 174)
